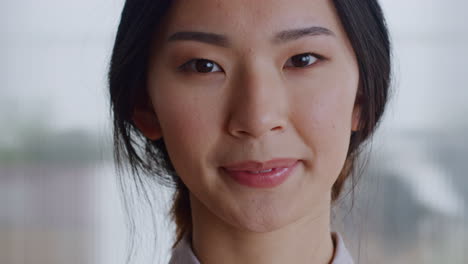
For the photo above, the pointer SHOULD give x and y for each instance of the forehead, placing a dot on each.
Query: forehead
(250, 19)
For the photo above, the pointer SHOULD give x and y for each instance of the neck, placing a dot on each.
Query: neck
(307, 240)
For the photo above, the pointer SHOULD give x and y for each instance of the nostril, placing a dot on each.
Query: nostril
(256, 132)
(239, 133)
(277, 128)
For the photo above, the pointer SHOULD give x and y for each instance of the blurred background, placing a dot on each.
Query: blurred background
(59, 197)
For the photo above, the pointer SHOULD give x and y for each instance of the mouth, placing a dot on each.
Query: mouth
(261, 174)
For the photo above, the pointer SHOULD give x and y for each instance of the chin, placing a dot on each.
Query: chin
(263, 219)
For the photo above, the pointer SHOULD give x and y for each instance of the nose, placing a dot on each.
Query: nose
(259, 105)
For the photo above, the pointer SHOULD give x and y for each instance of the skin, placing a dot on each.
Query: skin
(254, 105)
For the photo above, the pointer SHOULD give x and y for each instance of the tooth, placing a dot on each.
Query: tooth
(264, 171)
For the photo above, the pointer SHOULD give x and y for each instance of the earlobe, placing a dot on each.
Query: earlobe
(148, 123)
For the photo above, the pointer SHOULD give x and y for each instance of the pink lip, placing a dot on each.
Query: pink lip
(249, 172)
(257, 166)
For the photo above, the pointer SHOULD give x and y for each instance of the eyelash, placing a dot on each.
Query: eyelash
(188, 66)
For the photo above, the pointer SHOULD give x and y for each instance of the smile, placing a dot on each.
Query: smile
(261, 175)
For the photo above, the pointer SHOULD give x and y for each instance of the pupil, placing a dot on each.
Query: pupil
(204, 66)
(301, 60)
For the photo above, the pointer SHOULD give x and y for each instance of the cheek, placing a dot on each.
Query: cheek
(188, 124)
(323, 114)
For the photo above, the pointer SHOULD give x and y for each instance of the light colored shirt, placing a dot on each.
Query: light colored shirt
(183, 253)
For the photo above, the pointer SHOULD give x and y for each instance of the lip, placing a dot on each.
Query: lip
(257, 166)
(249, 173)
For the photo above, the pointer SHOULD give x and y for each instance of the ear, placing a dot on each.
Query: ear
(147, 122)
(356, 117)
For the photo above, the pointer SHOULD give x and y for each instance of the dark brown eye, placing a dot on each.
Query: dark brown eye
(301, 60)
(202, 66)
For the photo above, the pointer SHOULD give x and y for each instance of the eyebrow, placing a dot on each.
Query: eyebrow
(222, 41)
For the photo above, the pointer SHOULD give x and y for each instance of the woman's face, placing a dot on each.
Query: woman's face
(278, 80)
